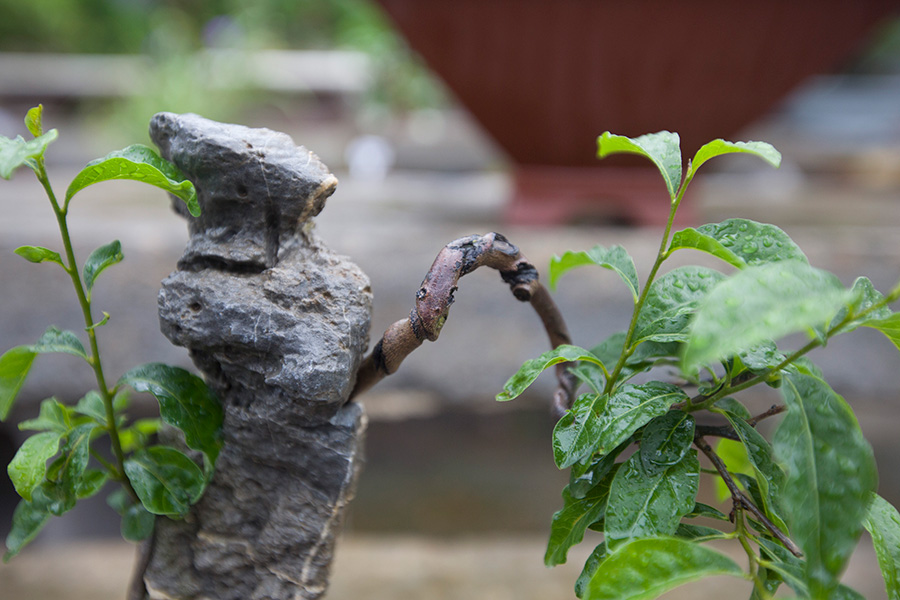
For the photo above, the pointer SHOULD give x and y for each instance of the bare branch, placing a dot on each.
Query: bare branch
(434, 297)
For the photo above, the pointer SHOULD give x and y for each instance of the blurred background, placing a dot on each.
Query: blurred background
(443, 119)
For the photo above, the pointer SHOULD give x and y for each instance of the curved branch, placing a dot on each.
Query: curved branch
(436, 294)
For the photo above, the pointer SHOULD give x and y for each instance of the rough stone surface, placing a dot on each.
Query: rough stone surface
(278, 324)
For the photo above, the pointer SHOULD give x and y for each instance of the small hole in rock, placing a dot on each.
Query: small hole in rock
(195, 306)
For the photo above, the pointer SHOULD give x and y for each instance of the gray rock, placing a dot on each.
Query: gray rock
(278, 324)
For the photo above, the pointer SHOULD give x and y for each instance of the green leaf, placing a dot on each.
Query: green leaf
(598, 423)
(37, 254)
(18, 152)
(883, 523)
(28, 520)
(765, 151)
(769, 475)
(666, 439)
(590, 567)
(759, 304)
(136, 436)
(137, 523)
(34, 120)
(91, 405)
(53, 417)
(56, 340)
(530, 370)
(643, 504)
(831, 476)
(569, 524)
(734, 455)
(101, 258)
(185, 402)
(614, 258)
(671, 302)
(889, 327)
(138, 163)
(699, 533)
(91, 483)
(647, 568)
(662, 148)
(734, 406)
(706, 511)
(865, 301)
(739, 242)
(166, 481)
(29, 466)
(14, 367)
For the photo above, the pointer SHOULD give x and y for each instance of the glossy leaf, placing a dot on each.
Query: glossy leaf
(101, 258)
(18, 152)
(53, 416)
(37, 254)
(706, 511)
(28, 520)
(185, 401)
(699, 533)
(733, 406)
(831, 476)
(889, 327)
(29, 466)
(614, 258)
(138, 163)
(569, 524)
(597, 423)
(642, 504)
(666, 439)
(762, 303)
(645, 356)
(739, 242)
(662, 148)
(734, 455)
(91, 483)
(531, 369)
(765, 151)
(14, 367)
(590, 567)
(34, 120)
(166, 481)
(883, 523)
(769, 475)
(55, 340)
(671, 302)
(645, 569)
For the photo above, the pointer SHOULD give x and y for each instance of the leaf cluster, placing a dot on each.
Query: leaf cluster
(64, 460)
(799, 501)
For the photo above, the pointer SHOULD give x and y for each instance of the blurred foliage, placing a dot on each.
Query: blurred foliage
(173, 35)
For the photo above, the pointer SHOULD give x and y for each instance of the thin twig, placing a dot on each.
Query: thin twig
(740, 499)
(775, 409)
(434, 297)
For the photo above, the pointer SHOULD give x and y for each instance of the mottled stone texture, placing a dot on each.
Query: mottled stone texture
(278, 324)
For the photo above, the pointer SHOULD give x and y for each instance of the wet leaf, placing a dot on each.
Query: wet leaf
(55, 340)
(91, 482)
(29, 466)
(883, 523)
(671, 302)
(53, 416)
(831, 476)
(662, 148)
(765, 151)
(138, 163)
(28, 520)
(137, 523)
(889, 327)
(531, 369)
(866, 298)
(569, 524)
(614, 258)
(643, 504)
(101, 258)
(166, 481)
(739, 242)
(37, 254)
(666, 439)
(645, 569)
(590, 567)
(185, 402)
(91, 405)
(34, 120)
(598, 423)
(759, 304)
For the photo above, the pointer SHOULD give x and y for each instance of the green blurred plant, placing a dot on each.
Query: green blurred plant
(154, 479)
(799, 502)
